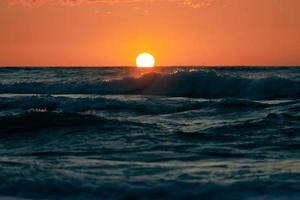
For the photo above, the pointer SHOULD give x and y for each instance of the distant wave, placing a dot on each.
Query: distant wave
(141, 106)
(202, 84)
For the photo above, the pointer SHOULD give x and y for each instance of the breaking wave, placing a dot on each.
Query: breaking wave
(201, 84)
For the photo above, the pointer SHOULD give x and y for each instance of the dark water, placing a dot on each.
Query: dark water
(164, 133)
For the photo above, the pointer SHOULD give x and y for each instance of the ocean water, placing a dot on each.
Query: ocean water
(163, 133)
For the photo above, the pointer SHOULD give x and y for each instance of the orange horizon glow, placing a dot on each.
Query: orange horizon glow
(179, 32)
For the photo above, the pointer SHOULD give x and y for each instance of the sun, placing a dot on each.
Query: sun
(145, 60)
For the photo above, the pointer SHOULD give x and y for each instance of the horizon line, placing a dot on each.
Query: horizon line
(127, 66)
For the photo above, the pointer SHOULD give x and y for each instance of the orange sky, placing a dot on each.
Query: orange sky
(176, 32)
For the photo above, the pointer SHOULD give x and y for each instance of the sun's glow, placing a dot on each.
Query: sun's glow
(145, 60)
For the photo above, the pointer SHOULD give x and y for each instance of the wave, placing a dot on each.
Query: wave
(74, 189)
(139, 105)
(202, 84)
(43, 120)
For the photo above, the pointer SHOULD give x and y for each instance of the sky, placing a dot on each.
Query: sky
(176, 32)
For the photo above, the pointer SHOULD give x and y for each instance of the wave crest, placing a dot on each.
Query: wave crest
(202, 84)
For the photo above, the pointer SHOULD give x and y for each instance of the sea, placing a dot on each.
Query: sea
(124, 133)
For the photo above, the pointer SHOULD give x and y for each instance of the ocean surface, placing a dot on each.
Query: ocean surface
(162, 133)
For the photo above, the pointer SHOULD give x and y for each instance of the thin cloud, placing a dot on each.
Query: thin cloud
(189, 3)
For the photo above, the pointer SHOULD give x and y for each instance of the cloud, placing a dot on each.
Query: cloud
(189, 3)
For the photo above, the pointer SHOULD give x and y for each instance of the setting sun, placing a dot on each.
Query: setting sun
(150, 99)
(145, 60)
